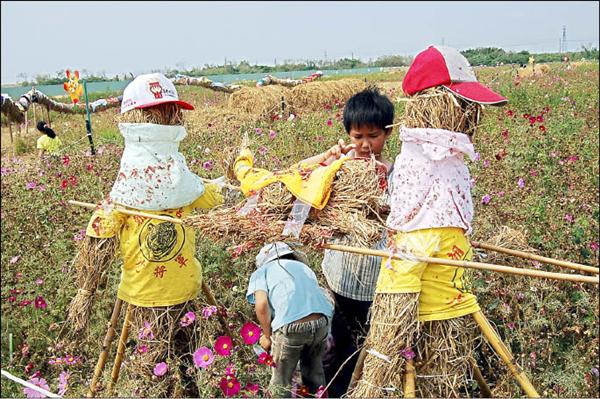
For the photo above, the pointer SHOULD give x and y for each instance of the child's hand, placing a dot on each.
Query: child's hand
(265, 342)
(338, 150)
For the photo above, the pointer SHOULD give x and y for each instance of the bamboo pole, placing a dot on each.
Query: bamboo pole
(543, 259)
(486, 392)
(210, 298)
(110, 333)
(409, 379)
(120, 350)
(358, 369)
(468, 264)
(494, 339)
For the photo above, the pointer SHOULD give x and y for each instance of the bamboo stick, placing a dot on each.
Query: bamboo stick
(128, 212)
(492, 337)
(470, 265)
(106, 344)
(409, 379)
(486, 392)
(543, 259)
(210, 298)
(358, 369)
(120, 350)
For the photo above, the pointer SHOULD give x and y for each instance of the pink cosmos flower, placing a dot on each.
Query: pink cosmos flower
(141, 349)
(208, 311)
(223, 345)
(203, 357)
(501, 193)
(272, 134)
(258, 131)
(477, 157)
(486, 199)
(79, 236)
(38, 382)
(208, 165)
(569, 218)
(63, 382)
(504, 134)
(14, 259)
(252, 389)
(30, 185)
(230, 370)
(486, 163)
(70, 359)
(594, 246)
(40, 303)
(160, 369)
(265, 358)
(329, 122)
(39, 281)
(407, 353)
(521, 182)
(146, 331)
(230, 386)
(187, 319)
(250, 333)
(262, 150)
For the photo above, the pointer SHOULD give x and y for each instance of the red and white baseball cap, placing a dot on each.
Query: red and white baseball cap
(150, 90)
(446, 66)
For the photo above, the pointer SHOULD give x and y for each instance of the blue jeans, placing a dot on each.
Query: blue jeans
(304, 342)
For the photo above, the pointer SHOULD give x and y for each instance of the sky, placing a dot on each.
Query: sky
(139, 37)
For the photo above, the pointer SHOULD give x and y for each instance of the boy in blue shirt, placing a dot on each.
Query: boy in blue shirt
(294, 314)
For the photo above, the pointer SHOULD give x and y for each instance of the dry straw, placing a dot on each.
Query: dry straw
(438, 108)
(353, 209)
(314, 95)
(394, 327)
(93, 260)
(263, 101)
(445, 352)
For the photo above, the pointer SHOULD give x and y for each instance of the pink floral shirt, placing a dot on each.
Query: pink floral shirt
(431, 184)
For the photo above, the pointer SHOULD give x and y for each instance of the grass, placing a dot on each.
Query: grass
(551, 327)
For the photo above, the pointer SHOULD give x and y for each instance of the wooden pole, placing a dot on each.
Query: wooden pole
(210, 298)
(486, 392)
(409, 379)
(494, 339)
(110, 333)
(120, 350)
(543, 259)
(358, 369)
(467, 264)
(48, 115)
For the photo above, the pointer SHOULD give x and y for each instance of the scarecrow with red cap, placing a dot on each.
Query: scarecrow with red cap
(160, 276)
(421, 312)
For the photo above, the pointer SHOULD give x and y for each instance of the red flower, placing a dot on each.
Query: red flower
(510, 113)
(73, 180)
(526, 116)
(223, 345)
(64, 184)
(40, 303)
(24, 302)
(230, 386)
(540, 118)
(66, 160)
(532, 120)
(89, 167)
(505, 134)
(542, 128)
(265, 358)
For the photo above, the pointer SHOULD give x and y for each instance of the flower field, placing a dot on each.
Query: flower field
(536, 172)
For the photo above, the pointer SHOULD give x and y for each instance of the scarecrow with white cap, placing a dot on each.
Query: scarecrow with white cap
(422, 314)
(160, 275)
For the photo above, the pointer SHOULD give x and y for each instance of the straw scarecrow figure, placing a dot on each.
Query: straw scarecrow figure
(421, 312)
(160, 275)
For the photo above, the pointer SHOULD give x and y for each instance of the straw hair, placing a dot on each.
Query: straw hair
(93, 260)
(163, 114)
(438, 108)
(445, 350)
(394, 326)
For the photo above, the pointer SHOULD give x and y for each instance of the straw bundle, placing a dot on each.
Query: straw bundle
(353, 209)
(263, 101)
(162, 114)
(92, 261)
(394, 326)
(167, 342)
(508, 238)
(444, 353)
(438, 108)
(314, 95)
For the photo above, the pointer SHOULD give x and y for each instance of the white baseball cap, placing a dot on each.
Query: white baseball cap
(276, 250)
(150, 90)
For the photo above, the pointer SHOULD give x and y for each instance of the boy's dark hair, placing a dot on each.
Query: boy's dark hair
(368, 107)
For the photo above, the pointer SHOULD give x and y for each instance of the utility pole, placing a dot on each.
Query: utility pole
(559, 45)
(443, 41)
(564, 39)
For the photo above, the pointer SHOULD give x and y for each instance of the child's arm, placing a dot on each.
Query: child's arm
(330, 155)
(263, 313)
